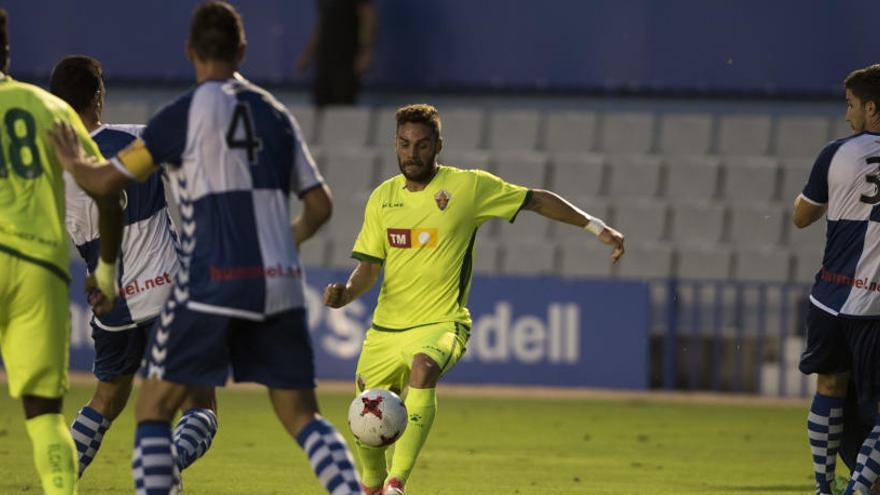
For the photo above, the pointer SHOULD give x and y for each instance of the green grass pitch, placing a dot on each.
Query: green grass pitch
(481, 445)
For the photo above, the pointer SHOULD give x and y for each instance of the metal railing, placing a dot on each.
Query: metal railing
(728, 336)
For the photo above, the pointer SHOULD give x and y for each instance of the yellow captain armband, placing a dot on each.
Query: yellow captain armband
(135, 161)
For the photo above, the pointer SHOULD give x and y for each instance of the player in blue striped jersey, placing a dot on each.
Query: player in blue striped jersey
(234, 154)
(843, 322)
(148, 266)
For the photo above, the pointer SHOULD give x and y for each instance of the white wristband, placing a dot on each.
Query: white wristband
(595, 225)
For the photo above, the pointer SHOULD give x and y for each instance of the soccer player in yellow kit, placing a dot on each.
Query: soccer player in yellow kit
(421, 226)
(34, 267)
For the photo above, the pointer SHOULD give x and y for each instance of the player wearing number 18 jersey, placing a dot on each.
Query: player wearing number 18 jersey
(34, 272)
(234, 154)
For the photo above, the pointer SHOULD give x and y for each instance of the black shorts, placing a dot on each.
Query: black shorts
(119, 352)
(195, 348)
(837, 344)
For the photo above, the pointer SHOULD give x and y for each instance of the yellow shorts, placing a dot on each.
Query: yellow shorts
(34, 328)
(387, 355)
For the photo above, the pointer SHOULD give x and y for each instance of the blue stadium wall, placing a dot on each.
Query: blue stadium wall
(527, 331)
(782, 47)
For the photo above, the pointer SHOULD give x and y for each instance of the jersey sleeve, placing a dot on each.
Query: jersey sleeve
(816, 190)
(497, 198)
(305, 175)
(370, 243)
(162, 141)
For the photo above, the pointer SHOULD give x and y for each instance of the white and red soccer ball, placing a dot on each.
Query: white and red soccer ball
(377, 417)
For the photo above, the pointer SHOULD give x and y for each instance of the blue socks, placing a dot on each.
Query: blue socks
(825, 427)
(329, 456)
(153, 466)
(867, 466)
(88, 432)
(193, 435)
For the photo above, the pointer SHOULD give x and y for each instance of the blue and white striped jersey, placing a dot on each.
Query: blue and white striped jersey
(233, 155)
(846, 177)
(148, 253)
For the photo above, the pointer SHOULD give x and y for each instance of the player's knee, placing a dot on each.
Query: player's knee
(425, 372)
(37, 406)
(158, 401)
(832, 385)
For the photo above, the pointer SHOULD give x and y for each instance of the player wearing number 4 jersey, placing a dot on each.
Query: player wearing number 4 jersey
(233, 154)
(843, 322)
(421, 226)
(148, 264)
(34, 272)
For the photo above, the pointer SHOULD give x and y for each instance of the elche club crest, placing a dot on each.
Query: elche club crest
(442, 198)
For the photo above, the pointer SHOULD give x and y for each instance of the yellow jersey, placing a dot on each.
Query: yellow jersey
(425, 240)
(31, 181)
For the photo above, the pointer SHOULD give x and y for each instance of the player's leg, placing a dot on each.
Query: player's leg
(185, 350)
(196, 426)
(380, 365)
(117, 357)
(34, 342)
(826, 355)
(434, 350)
(278, 354)
(864, 345)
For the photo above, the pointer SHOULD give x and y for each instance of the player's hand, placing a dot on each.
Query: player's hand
(100, 303)
(613, 238)
(335, 296)
(66, 144)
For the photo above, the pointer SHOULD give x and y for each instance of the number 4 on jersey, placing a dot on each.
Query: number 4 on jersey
(244, 138)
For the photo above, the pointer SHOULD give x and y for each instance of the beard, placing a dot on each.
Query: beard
(416, 170)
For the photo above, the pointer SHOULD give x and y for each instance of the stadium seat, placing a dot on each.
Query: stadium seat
(795, 173)
(807, 261)
(313, 252)
(513, 130)
(697, 223)
(385, 128)
(756, 225)
(641, 221)
(525, 168)
(528, 257)
(627, 132)
(305, 115)
(692, 177)
(339, 255)
(349, 171)
(590, 204)
(528, 226)
(810, 237)
(634, 176)
(486, 256)
(348, 217)
(646, 261)
(570, 132)
(466, 159)
(462, 128)
(750, 178)
(744, 135)
(126, 112)
(576, 175)
(344, 126)
(685, 134)
(762, 265)
(703, 263)
(801, 136)
(584, 259)
(840, 128)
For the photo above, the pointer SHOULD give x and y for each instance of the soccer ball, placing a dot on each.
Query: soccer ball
(377, 417)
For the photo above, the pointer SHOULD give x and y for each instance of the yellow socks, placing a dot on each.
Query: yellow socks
(421, 405)
(373, 467)
(54, 453)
